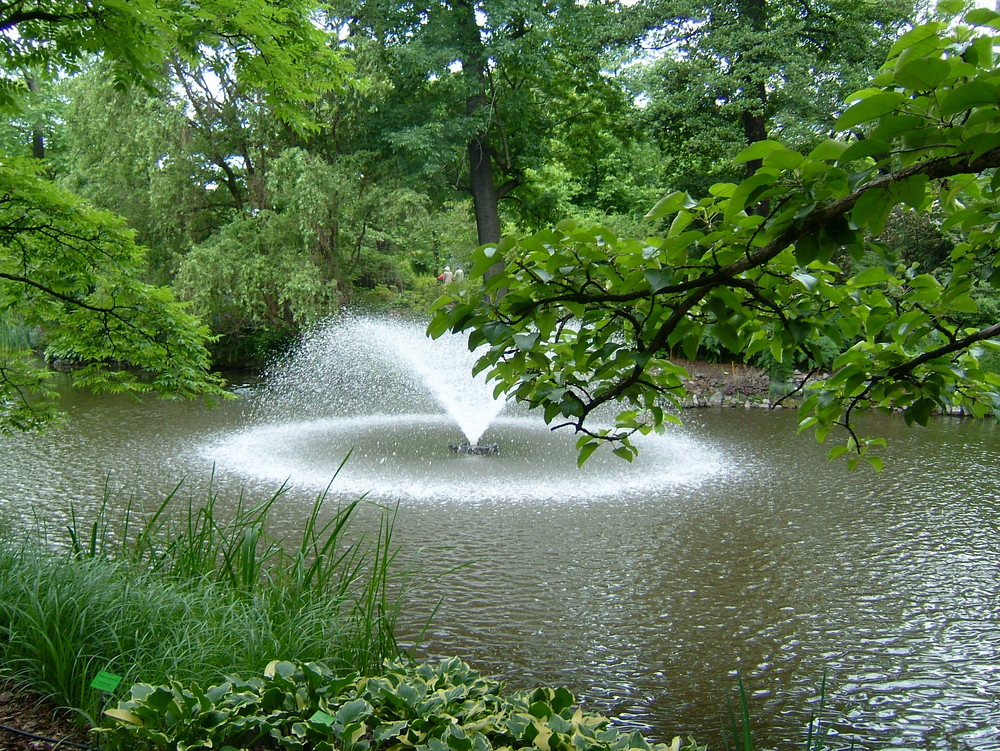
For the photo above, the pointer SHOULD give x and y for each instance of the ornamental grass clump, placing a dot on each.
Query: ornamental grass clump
(304, 706)
(189, 594)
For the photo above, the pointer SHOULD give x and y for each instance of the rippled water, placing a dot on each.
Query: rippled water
(777, 564)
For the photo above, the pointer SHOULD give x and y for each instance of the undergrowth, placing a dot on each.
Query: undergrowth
(192, 591)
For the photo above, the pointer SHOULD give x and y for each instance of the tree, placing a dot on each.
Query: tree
(590, 319)
(71, 272)
(723, 75)
(478, 87)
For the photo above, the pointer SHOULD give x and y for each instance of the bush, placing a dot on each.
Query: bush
(443, 707)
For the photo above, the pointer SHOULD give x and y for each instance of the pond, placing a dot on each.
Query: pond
(738, 550)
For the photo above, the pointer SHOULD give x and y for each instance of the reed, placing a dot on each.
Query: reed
(740, 736)
(188, 592)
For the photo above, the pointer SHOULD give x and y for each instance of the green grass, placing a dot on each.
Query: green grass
(185, 593)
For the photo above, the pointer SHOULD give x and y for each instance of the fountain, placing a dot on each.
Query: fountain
(417, 424)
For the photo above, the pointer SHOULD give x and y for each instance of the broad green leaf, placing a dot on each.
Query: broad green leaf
(982, 17)
(124, 715)
(758, 150)
(671, 204)
(981, 144)
(951, 6)
(525, 341)
(585, 450)
(746, 190)
(870, 276)
(658, 278)
(829, 149)
(919, 412)
(923, 74)
(973, 94)
(872, 209)
(863, 148)
(783, 159)
(869, 109)
(912, 191)
(680, 222)
(922, 36)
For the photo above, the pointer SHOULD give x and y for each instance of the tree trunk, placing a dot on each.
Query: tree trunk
(37, 135)
(485, 197)
(754, 116)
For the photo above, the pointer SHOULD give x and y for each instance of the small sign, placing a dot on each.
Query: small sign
(105, 681)
(322, 718)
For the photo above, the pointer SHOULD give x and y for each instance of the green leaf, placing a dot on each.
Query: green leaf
(924, 37)
(757, 150)
(911, 191)
(124, 715)
(872, 210)
(658, 278)
(525, 341)
(972, 94)
(869, 109)
(807, 249)
(746, 190)
(863, 148)
(923, 74)
(829, 150)
(671, 204)
(783, 159)
(624, 452)
(982, 17)
(871, 276)
(951, 6)
(919, 412)
(588, 448)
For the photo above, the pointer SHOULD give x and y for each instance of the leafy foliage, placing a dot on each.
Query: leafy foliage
(274, 46)
(581, 318)
(727, 74)
(443, 707)
(73, 272)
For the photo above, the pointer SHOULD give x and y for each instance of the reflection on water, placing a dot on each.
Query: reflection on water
(779, 565)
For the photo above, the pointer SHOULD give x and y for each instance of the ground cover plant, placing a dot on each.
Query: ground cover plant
(186, 593)
(442, 707)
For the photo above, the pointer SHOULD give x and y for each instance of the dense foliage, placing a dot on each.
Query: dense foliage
(787, 262)
(74, 273)
(70, 274)
(442, 707)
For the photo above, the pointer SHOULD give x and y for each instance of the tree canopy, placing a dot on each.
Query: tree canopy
(70, 274)
(788, 261)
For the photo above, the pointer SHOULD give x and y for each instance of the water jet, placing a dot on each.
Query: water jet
(418, 425)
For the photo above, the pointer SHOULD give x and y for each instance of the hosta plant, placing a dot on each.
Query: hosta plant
(441, 707)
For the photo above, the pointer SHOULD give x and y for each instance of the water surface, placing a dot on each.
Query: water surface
(741, 549)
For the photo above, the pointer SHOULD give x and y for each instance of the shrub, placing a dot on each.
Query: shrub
(443, 707)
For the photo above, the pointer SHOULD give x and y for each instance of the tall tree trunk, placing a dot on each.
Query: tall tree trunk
(485, 197)
(37, 135)
(754, 116)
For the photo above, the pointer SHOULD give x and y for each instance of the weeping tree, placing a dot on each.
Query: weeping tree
(591, 319)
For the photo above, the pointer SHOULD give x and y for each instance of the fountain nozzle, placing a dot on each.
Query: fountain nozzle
(474, 449)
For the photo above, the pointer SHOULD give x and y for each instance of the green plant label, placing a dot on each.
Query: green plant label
(322, 718)
(105, 681)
